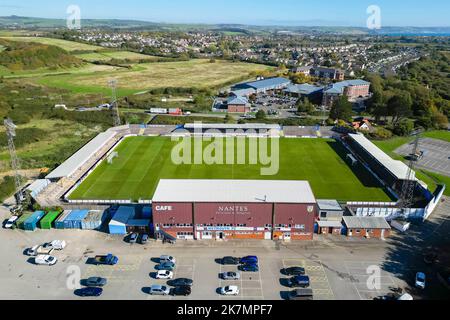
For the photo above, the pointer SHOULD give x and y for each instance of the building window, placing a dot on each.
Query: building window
(323, 214)
(358, 231)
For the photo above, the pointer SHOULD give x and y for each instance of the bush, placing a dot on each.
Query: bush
(7, 188)
(381, 134)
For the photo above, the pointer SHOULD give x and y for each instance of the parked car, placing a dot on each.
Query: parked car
(11, 222)
(165, 258)
(108, 259)
(181, 282)
(158, 290)
(169, 266)
(249, 268)
(230, 261)
(164, 274)
(420, 280)
(96, 282)
(45, 260)
(294, 271)
(231, 275)
(144, 238)
(32, 252)
(249, 260)
(301, 294)
(58, 244)
(89, 292)
(182, 291)
(133, 238)
(230, 291)
(298, 282)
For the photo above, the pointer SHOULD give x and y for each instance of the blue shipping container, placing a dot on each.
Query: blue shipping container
(31, 223)
(74, 219)
(94, 220)
(59, 224)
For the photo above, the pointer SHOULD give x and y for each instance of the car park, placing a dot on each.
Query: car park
(181, 282)
(230, 261)
(420, 280)
(231, 275)
(301, 294)
(249, 260)
(158, 290)
(249, 268)
(294, 271)
(168, 266)
(45, 260)
(165, 258)
(181, 291)
(89, 292)
(96, 282)
(10, 223)
(164, 274)
(230, 291)
(298, 282)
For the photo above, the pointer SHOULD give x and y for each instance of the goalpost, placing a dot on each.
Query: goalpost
(112, 156)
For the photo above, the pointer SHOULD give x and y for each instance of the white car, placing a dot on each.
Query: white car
(164, 274)
(420, 280)
(32, 252)
(45, 260)
(10, 223)
(58, 244)
(230, 291)
(165, 258)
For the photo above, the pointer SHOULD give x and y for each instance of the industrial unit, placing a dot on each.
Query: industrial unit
(234, 209)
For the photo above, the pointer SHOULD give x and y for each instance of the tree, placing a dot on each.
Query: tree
(399, 106)
(404, 128)
(341, 109)
(305, 106)
(261, 115)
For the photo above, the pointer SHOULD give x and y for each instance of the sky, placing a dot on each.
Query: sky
(420, 13)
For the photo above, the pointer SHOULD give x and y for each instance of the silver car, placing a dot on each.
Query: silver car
(159, 290)
(231, 276)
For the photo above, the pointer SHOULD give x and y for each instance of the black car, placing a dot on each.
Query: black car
(298, 282)
(180, 282)
(294, 271)
(144, 238)
(96, 282)
(230, 261)
(182, 291)
(89, 292)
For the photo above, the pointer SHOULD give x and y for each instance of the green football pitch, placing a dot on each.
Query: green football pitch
(143, 161)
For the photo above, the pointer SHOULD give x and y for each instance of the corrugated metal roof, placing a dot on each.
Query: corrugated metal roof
(122, 216)
(81, 156)
(331, 205)
(245, 126)
(268, 83)
(397, 168)
(329, 224)
(76, 215)
(304, 88)
(237, 191)
(366, 222)
(237, 101)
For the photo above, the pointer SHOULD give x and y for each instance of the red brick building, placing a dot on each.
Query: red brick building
(234, 209)
(238, 105)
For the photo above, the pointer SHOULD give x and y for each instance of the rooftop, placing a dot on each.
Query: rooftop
(303, 88)
(329, 224)
(237, 191)
(366, 222)
(395, 167)
(237, 101)
(329, 205)
(339, 86)
(221, 126)
(77, 160)
(267, 83)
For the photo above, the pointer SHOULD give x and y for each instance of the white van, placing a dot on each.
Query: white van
(45, 260)
(32, 252)
(164, 259)
(58, 244)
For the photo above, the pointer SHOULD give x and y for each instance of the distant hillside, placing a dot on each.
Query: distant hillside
(29, 56)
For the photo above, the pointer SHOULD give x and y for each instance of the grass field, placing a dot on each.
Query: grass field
(143, 161)
(109, 55)
(198, 73)
(64, 44)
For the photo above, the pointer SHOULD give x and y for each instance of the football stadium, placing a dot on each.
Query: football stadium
(132, 169)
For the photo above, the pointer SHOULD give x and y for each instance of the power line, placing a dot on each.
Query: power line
(15, 164)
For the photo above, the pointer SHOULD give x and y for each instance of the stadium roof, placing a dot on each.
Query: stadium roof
(234, 191)
(353, 222)
(222, 126)
(397, 168)
(81, 156)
